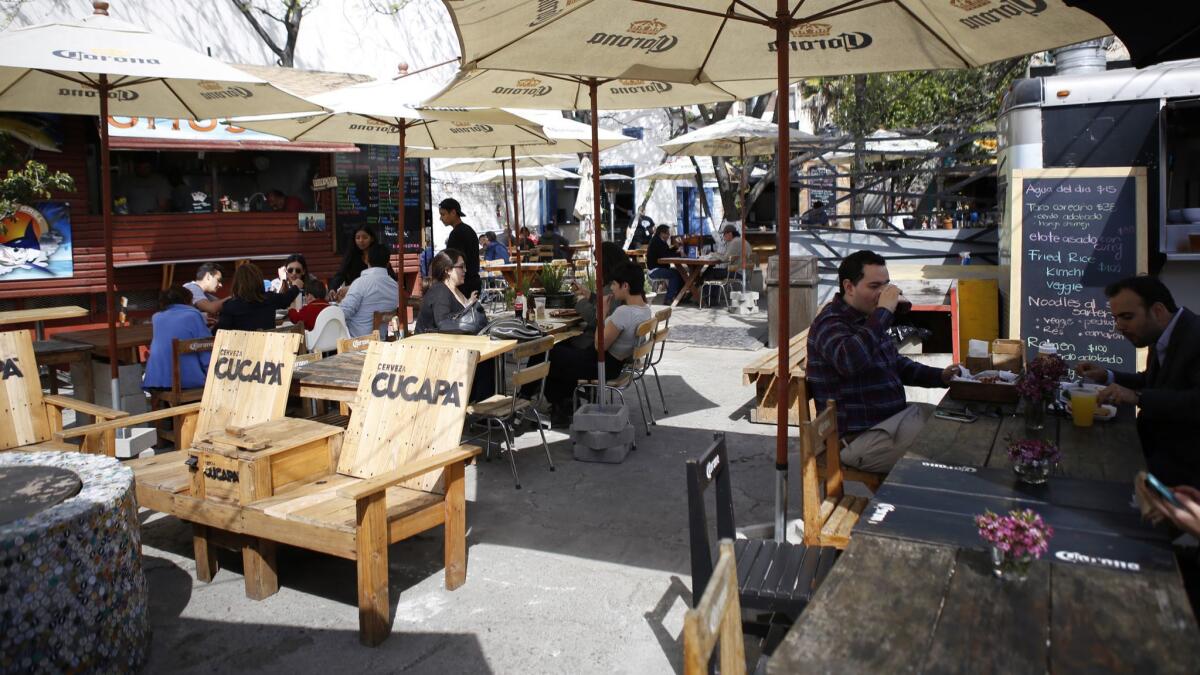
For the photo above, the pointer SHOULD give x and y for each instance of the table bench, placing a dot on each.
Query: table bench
(763, 374)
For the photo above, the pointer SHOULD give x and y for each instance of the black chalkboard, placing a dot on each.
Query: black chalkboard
(1076, 231)
(367, 195)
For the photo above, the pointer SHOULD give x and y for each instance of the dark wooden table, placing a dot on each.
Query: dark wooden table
(691, 269)
(894, 605)
(129, 338)
(64, 353)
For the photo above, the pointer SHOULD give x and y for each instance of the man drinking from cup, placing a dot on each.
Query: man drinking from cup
(1168, 391)
(853, 360)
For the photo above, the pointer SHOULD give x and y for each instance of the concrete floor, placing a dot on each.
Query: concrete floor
(584, 570)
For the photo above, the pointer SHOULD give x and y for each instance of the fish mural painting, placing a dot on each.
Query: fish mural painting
(35, 243)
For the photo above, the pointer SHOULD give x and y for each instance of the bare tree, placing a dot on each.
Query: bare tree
(286, 13)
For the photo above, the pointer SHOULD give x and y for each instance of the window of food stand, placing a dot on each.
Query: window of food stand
(208, 181)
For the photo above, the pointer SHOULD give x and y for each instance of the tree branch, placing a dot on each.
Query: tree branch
(244, 7)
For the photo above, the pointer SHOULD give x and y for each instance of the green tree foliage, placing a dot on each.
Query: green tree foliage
(30, 184)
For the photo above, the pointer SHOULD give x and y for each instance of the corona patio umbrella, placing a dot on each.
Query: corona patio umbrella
(477, 164)
(711, 41)
(385, 112)
(99, 66)
(736, 136)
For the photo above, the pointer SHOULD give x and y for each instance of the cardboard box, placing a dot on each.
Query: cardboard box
(1005, 355)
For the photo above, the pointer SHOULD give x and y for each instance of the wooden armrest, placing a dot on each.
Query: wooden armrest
(84, 407)
(129, 421)
(384, 481)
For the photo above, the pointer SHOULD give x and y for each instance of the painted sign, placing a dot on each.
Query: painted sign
(35, 243)
(185, 130)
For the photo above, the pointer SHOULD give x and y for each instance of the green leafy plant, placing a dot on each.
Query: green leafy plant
(588, 279)
(551, 278)
(30, 184)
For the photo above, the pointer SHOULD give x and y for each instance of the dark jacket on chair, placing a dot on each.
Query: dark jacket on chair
(1170, 403)
(238, 314)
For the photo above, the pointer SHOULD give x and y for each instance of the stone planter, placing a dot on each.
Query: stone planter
(560, 300)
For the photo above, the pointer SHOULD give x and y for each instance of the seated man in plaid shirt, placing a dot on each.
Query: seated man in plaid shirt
(852, 360)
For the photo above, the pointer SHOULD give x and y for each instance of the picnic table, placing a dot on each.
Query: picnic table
(129, 338)
(509, 271)
(64, 353)
(38, 316)
(336, 378)
(690, 269)
(914, 591)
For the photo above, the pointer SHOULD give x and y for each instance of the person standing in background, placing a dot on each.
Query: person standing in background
(463, 239)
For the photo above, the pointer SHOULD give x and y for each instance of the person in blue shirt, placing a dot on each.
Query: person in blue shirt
(492, 249)
(178, 320)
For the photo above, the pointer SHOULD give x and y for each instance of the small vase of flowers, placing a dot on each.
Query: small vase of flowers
(1038, 386)
(1016, 541)
(1033, 459)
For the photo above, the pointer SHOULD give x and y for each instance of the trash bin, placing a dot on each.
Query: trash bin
(802, 295)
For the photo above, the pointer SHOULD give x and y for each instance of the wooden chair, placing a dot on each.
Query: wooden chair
(772, 576)
(31, 419)
(177, 395)
(661, 331)
(827, 521)
(506, 410)
(545, 252)
(716, 617)
(381, 319)
(396, 472)
(358, 344)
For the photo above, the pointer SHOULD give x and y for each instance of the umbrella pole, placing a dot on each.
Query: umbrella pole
(599, 255)
(742, 202)
(110, 296)
(783, 191)
(516, 223)
(402, 309)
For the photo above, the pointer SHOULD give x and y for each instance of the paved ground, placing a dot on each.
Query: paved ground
(584, 570)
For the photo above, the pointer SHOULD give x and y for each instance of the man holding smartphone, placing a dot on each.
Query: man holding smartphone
(1168, 391)
(852, 360)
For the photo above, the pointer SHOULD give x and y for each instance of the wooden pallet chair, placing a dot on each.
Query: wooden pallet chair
(772, 576)
(716, 618)
(398, 470)
(828, 520)
(31, 418)
(176, 395)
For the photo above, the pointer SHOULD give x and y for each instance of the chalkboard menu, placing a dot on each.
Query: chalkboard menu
(367, 194)
(1074, 232)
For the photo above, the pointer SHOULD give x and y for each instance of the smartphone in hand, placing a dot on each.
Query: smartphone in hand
(964, 416)
(1162, 490)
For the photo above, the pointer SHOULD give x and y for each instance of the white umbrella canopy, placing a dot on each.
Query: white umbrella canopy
(883, 145)
(508, 89)
(477, 164)
(524, 173)
(718, 41)
(56, 67)
(681, 168)
(373, 112)
(605, 177)
(733, 137)
(564, 136)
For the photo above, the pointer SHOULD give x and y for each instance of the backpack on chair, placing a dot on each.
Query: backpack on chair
(512, 328)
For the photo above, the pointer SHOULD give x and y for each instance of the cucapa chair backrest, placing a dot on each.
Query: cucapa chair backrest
(21, 402)
(249, 378)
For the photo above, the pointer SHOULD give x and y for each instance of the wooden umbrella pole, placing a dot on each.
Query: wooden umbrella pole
(402, 310)
(110, 292)
(516, 220)
(742, 200)
(599, 255)
(783, 22)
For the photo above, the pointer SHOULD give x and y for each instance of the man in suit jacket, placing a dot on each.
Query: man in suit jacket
(1168, 391)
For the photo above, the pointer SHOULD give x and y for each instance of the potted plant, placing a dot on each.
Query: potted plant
(1033, 459)
(510, 293)
(33, 182)
(551, 279)
(1016, 540)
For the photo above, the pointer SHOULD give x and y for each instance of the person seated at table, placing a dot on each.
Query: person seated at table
(660, 247)
(569, 364)
(250, 306)
(295, 267)
(1167, 393)
(177, 319)
(204, 288)
(278, 201)
(852, 360)
(551, 237)
(492, 249)
(354, 262)
(314, 304)
(525, 240)
(373, 291)
(730, 256)
(444, 300)
(585, 301)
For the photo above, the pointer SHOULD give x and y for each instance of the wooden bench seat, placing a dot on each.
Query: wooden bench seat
(317, 503)
(763, 374)
(837, 516)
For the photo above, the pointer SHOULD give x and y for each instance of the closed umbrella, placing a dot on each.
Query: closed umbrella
(100, 66)
(734, 136)
(718, 41)
(385, 112)
(587, 209)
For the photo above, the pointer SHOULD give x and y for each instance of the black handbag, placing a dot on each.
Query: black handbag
(470, 320)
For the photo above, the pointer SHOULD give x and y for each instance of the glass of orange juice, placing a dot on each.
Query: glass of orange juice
(1083, 406)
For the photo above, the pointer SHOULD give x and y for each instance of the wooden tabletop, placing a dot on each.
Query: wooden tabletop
(53, 347)
(486, 346)
(703, 262)
(127, 336)
(892, 604)
(42, 314)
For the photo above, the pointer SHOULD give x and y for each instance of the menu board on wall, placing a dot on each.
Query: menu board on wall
(1074, 232)
(368, 194)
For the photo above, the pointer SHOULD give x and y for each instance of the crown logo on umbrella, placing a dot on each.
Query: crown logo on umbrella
(970, 4)
(807, 30)
(528, 82)
(209, 85)
(633, 82)
(647, 27)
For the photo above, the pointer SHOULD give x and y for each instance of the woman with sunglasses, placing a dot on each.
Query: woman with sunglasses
(355, 261)
(249, 307)
(444, 299)
(295, 269)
